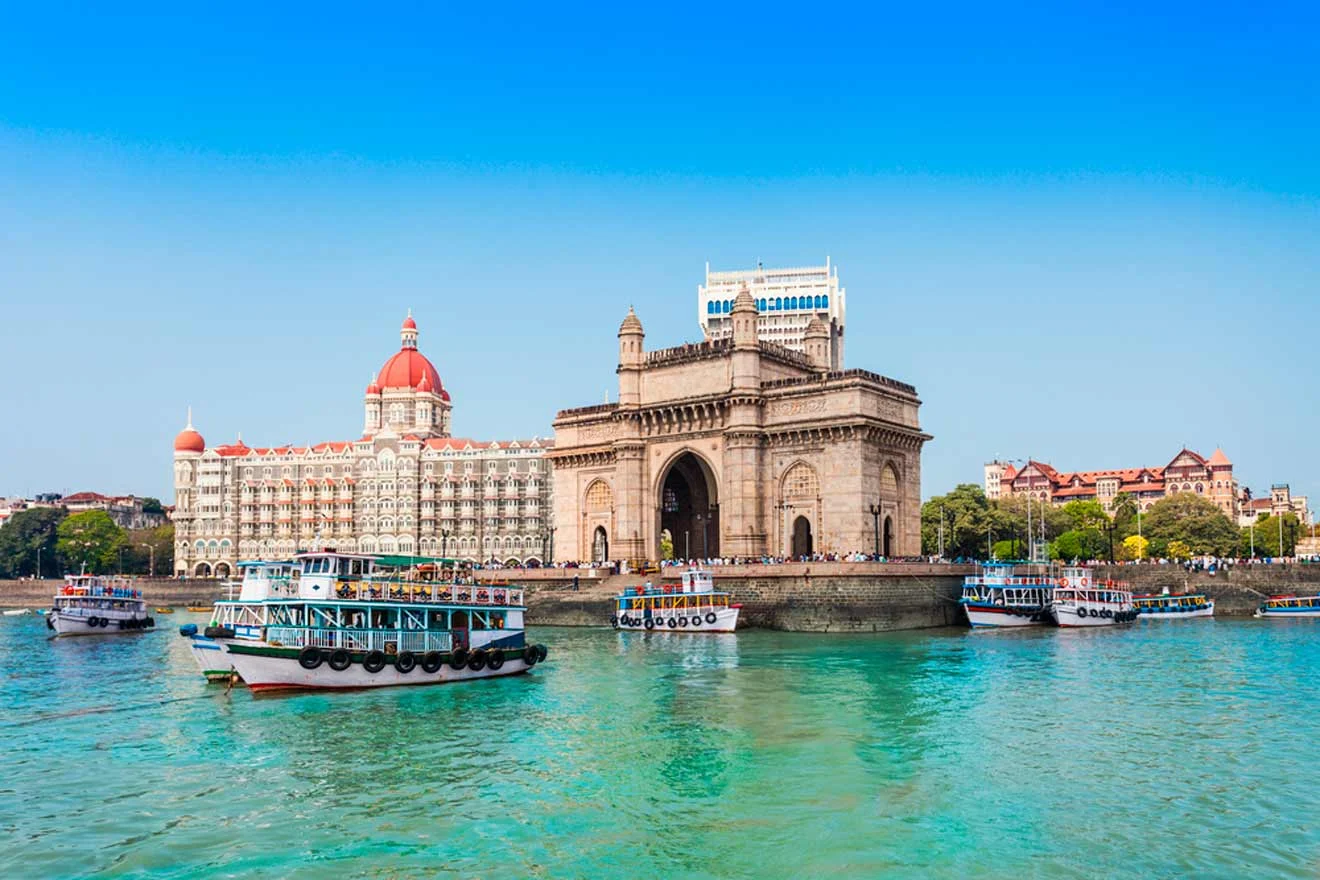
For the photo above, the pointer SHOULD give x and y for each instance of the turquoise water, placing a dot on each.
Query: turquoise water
(1159, 750)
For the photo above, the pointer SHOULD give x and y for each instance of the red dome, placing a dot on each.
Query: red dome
(407, 369)
(189, 441)
(409, 323)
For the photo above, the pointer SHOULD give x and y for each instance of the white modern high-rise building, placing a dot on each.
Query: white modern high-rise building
(787, 301)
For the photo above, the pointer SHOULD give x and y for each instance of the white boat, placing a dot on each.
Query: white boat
(90, 604)
(1173, 606)
(1080, 601)
(1289, 607)
(260, 580)
(346, 620)
(1001, 597)
(693, 605)
(17, 612)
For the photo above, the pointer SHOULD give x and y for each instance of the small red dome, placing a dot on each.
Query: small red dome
(189, 441)
(409, 323)
(407, 369)
(373, 388)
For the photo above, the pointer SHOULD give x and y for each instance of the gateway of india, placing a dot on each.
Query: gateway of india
(753, 442)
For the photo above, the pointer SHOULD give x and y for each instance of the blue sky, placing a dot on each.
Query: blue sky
(1089, 236)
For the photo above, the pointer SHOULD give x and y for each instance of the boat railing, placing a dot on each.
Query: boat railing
(457, 594)
(990, 580)
(419, 642)
(102, 592)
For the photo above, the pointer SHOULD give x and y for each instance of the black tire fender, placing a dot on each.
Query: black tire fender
(405, 662)
(309, 657)
(340, 659)
(458, 658)
(374, 661)
(432, 661)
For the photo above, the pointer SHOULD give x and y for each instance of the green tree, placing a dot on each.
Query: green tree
(1124, 516)
(666, 545)
(1191, 519)
(27, 536)
(152, 505)
(1082, 544)
(1086, 515)
(90, 538)
(138, 559)
(1266, 536)
(1008, 550)
(967, 523)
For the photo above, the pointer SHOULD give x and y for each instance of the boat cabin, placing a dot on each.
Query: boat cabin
(696, 580)
(319, 572)
(263, 580)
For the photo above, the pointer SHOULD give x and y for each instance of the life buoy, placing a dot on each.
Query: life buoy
(431, 662)
(458, 658)
(340, 659)
(309, 657)
(495, 660)
(650, 623)
(374, 661)
(1063, 582)
(477, 661)
(1084, 582)
(405, 662)
(530, 655)
(710, 617)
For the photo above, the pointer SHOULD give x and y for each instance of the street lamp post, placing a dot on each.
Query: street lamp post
(941, 531)
(550, 556)
(875, 517)
(151, 552)
(38, 563)
(444, 543)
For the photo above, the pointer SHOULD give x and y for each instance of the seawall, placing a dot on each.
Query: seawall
(158, 591)
(1237, 590)
(800, 597)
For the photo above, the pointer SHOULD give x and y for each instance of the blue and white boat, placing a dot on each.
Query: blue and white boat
(1289, 606)
(1000, 596)
(1173, 606)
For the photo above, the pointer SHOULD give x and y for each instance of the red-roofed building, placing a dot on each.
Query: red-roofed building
(1188, 471)
(406, 486)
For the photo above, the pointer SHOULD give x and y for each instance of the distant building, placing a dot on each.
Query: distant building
(406, 486)
(1280, 501)
(1210, 478)
(125, 510)
(787, 301)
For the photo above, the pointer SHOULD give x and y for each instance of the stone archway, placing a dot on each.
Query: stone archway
(887, 539)
(202, 570)
(600, 545)
(689, 508)
(802, 542)
(222, 569)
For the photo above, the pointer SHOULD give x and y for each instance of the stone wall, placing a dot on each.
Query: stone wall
(1236, 590)
(158, 591)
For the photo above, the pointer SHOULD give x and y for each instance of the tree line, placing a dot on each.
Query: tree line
(1178, 526)
(61, 544)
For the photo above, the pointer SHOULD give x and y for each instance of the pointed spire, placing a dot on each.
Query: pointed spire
(189, 426)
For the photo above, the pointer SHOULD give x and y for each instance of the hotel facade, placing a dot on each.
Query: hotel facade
(404, 487)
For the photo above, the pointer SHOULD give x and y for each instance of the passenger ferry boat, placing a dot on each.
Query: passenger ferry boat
(345, 620)
(91, 604)
(693, 605)
(1289, 606)
(1173, 606)
(1079, 600)
(999, 597)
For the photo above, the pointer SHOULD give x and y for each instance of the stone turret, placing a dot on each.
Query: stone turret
(816, 341)
(631, 356)
(746, 344)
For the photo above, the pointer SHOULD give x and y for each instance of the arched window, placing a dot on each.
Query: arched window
(801, 482)
(792, 302)
(1200, 489)
(889, 483)
(760, 306)
(710, 307)
(728, 305)
(779, 303)
(599, 497)
(825, 302)
(820, 302)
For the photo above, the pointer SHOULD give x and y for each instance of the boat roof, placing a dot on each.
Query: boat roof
(263, 563)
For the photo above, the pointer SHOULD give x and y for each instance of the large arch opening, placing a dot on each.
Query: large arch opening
(600, 545)
(222, 569)
(689, 509)
(202, 570)
(887, 546)
(802, 544)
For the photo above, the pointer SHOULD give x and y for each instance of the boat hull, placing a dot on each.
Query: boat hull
(726, 621)
(1207, 611)
(66, 624)
(211, 658)
(265, 668)
(1282, 613)
(1069, 617)
(982, 616)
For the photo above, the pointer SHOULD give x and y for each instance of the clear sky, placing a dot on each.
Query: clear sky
(1086, 236)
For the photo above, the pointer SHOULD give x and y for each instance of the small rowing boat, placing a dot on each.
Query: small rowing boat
(165, 610)
(202, 609)
(17, 612)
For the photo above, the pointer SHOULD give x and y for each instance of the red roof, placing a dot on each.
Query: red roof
(189, 440)
(1218, 459)
(80, 497)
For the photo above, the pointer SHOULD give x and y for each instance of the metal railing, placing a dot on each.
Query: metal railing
(419, 642)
